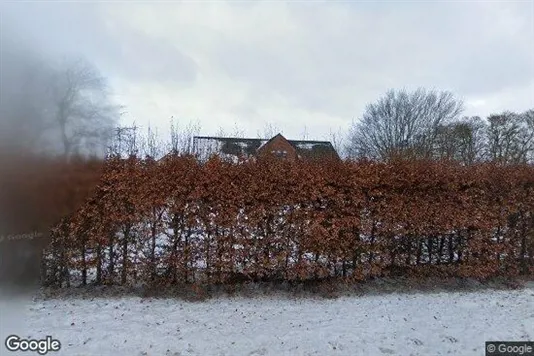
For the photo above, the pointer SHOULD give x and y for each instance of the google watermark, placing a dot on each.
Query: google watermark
(16, 237)
(510, 348)
(42, 347)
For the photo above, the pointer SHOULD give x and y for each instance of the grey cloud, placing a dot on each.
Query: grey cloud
(54, 29)
(375, 47)
(342, 55)
(493, 68)
(66, 29)
(139, 57)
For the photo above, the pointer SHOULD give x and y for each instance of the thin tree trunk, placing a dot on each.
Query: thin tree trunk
(451, 248)
(111, 266)
(84, 260)
(126, 239)
(98, 264)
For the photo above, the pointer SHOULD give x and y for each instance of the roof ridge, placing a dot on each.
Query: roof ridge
(258, 139)
(231, 138)
(310, 141)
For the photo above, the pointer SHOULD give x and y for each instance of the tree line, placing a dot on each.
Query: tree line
(422, 124)
(66, 107)
(428, 124)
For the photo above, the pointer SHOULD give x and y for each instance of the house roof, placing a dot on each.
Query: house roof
(237, 146)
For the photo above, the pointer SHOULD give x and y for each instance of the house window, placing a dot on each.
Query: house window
(279, 153)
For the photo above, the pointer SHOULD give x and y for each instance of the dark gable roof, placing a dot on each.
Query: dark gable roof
(227, 145)
(314, 149)
(249, 146)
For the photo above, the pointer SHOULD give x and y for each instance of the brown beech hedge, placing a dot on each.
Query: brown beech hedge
(178, 220)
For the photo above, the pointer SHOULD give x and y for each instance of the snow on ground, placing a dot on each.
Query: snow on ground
(389, 324)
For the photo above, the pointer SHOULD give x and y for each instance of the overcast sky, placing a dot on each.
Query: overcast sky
(294, 65)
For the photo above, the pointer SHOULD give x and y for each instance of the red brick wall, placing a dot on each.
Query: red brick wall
(280, 146)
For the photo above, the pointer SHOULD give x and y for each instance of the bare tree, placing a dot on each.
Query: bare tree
(463, 141)
(528, 134)
(125, 142)
(84, 112)
(269, 130)
(51, 107)
(337, 139)
(305, 135)
(402, 123)
(151, 145)
(182, 138)
(511, 137)
(237, 131)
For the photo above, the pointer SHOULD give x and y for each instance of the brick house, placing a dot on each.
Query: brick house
(278, 145)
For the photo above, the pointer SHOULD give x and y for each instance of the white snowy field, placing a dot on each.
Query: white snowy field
(390, 324)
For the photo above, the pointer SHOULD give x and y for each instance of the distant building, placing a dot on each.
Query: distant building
(233, 147)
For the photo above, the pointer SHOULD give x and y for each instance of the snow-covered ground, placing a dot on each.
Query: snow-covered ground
(389, 324)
